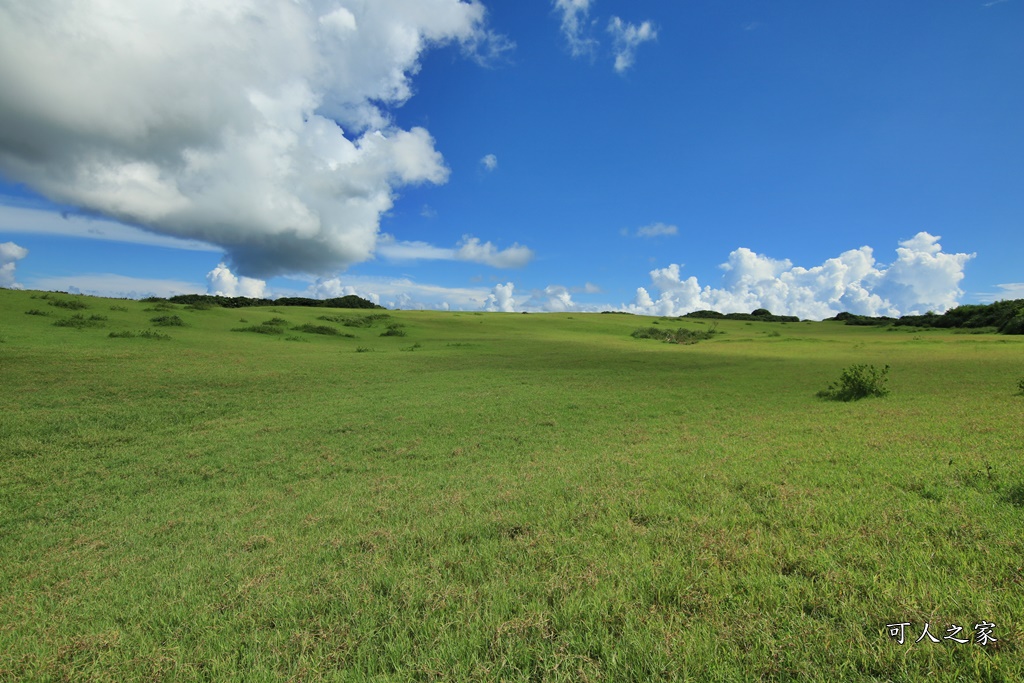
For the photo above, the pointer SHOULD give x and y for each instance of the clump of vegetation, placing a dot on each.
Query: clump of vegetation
(317, 329)
(857, 382)
(167, 321)
(143, 334)
(394, 330)
(70, 304)
(79, 321)
(162, 306)
(36, 311)
(363, 349)
(199, 306)
(122, 309)
(679, 336)
(297, 338)
(363, 320)
(1020, 386)
(272, 326)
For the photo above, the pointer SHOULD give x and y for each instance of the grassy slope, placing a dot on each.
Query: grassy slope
(522, 497)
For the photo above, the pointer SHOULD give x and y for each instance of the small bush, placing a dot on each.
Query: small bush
(393, 332)
(363, 349)
(167, 321)
(262, 328)
(317, 329)
(1020, 386)
(79, 321)
(70, 304)
(122, 309)
(144, 334)
(297, 338)
(857, 382)
(163, 306)
(36, 311)
(679, 336)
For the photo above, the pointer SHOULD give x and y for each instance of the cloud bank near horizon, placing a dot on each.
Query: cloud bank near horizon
(922, 278)
(255, 125)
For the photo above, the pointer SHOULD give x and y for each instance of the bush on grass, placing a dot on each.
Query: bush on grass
(70, 304)
(167, 321)
(272, 326)
(143, 334)
(79, 321)
(317, 329)
(857, 382)
(679, 336)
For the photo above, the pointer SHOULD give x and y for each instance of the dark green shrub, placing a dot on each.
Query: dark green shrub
(1020, 385)
(36, 311)
(70, 304)
(760, 312)
(79, 321)
(167, 321)
(262, 328)
(144, 334)
(857, 382)
(393, 332)
(363, 349)
(121, 309)
(317, 329)
(679, 336)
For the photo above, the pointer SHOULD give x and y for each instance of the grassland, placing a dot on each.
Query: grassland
(499, 497)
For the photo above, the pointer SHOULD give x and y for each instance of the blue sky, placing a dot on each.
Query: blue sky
(657, 157)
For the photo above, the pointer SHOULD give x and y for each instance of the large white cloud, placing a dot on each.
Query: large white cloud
(10, 254)
(256, 125)
(921, 278)
(501, 299)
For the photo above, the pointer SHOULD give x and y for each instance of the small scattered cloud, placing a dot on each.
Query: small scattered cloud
(10, 254)
(1013, 290)
(489, 162)
(222, 282)
(922, 278)
(469, 249)
(576, 26)
(626, 39)
(657, 230)
(994, 2)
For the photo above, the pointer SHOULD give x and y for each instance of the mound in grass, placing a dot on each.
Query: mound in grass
(70, 304)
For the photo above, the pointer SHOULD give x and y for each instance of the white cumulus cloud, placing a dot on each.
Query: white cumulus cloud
(627, 38)
(922, 278)
(489, 162)
(10, 254)
(501, 299)
(222, 282)
(259, 126)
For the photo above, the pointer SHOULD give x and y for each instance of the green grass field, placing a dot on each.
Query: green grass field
(499, 497)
